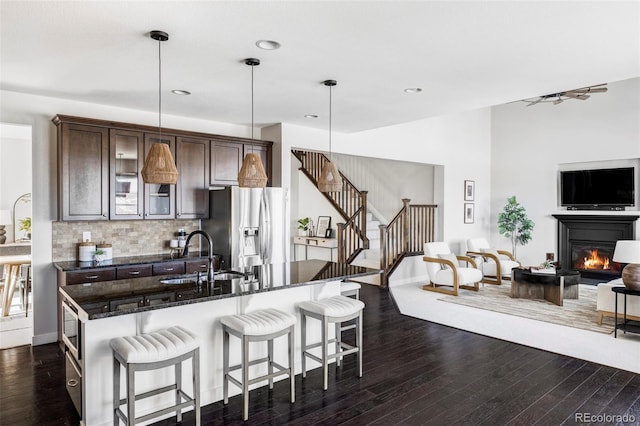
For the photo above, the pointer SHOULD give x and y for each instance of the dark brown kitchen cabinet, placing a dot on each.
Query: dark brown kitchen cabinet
(265, 155)
(133, 271)
(83, 172)
(90, 276)
(126, 200)
(226, 159)
(227, 156)
(166, 268)
(100, 164)
(192, 189)
(199, 265)
(159, 199)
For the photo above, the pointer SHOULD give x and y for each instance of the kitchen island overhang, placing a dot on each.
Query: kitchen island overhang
(280, 286)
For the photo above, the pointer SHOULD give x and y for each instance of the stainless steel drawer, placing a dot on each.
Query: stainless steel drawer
(74, 382)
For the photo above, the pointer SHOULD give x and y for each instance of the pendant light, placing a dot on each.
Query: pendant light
(330, 179)
(159, 166)
(252, 174)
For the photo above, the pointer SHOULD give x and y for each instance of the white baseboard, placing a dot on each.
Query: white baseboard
(43, 339)
(408, 280)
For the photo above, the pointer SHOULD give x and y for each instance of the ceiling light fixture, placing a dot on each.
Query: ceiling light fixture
(330, 179)
(413, 90)
(180, 92)
(582, 94)
(159, 166)
(252, 174)
(310, 116)
(268, 44)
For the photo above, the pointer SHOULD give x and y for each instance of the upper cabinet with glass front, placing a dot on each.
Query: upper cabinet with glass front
(126, 199)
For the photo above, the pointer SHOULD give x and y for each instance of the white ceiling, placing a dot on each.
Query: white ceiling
(464, 55)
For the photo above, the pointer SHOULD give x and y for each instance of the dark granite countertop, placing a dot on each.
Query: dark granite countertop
(121, 297)
(75, 265)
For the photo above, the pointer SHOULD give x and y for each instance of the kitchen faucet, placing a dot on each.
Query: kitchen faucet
(185, 252)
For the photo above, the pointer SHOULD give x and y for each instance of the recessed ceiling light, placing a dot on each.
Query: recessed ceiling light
(413, 90)
(180, 92)
(310, 116)
(268, 44)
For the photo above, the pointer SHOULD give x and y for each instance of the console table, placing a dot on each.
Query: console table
(321, 242)
(551, 287)
(626, 325)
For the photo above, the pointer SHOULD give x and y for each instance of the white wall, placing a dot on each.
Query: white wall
(460, 143)
(530, 145)
(38, 111)
(15, 168)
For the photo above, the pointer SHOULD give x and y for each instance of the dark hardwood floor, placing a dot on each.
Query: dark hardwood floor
(415, 373)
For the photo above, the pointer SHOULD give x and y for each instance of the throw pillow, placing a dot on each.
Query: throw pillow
(449, 256)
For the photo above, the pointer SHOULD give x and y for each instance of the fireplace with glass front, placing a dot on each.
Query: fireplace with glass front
(586, 243)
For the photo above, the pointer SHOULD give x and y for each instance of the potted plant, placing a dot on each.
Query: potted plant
(99, 255)
(304, 225)
(513, 223)
(25, 225)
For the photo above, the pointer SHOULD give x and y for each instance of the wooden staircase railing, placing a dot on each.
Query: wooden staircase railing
(351, 203)
(405, 236)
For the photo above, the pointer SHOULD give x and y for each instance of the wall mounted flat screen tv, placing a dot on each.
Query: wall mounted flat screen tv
(598, 188)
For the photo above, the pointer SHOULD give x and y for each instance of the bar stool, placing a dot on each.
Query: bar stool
(258, 326)
(334, 310)
(350, 288)
(152, 351)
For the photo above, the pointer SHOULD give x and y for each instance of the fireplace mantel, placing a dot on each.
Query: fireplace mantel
(580, 228)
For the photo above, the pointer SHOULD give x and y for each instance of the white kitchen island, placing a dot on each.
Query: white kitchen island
(279, 286)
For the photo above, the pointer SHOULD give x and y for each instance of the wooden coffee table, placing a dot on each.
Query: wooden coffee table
(551, 287)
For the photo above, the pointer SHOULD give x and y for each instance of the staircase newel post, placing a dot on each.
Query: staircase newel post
(383, 255)
(363, 217)
(407, 224)
(341, 245)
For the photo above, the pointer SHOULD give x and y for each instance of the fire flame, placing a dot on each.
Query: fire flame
(595, 261)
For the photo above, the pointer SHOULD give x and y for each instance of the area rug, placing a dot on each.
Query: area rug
(578, 313)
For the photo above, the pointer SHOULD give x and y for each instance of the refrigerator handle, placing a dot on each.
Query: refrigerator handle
(265, 230)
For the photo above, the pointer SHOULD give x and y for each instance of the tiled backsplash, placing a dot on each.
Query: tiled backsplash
(128, 237)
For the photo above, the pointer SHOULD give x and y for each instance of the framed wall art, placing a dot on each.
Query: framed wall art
(324, 223)
(468, 212)
(469, 190)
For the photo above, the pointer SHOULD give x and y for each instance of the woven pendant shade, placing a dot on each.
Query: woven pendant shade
(159, 166)
(330, 179)
(252, 174)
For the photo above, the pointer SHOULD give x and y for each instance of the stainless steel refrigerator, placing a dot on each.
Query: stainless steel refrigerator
(248, 225)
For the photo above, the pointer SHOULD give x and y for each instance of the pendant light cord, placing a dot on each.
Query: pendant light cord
(330, 155)
(252, 67)
(160, 89)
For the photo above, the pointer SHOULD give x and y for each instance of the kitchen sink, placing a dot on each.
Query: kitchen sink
(192, 279)
(228, 276)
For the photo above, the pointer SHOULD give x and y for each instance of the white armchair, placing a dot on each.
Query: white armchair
(496, 265)
(445, 273)
(606, 301)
